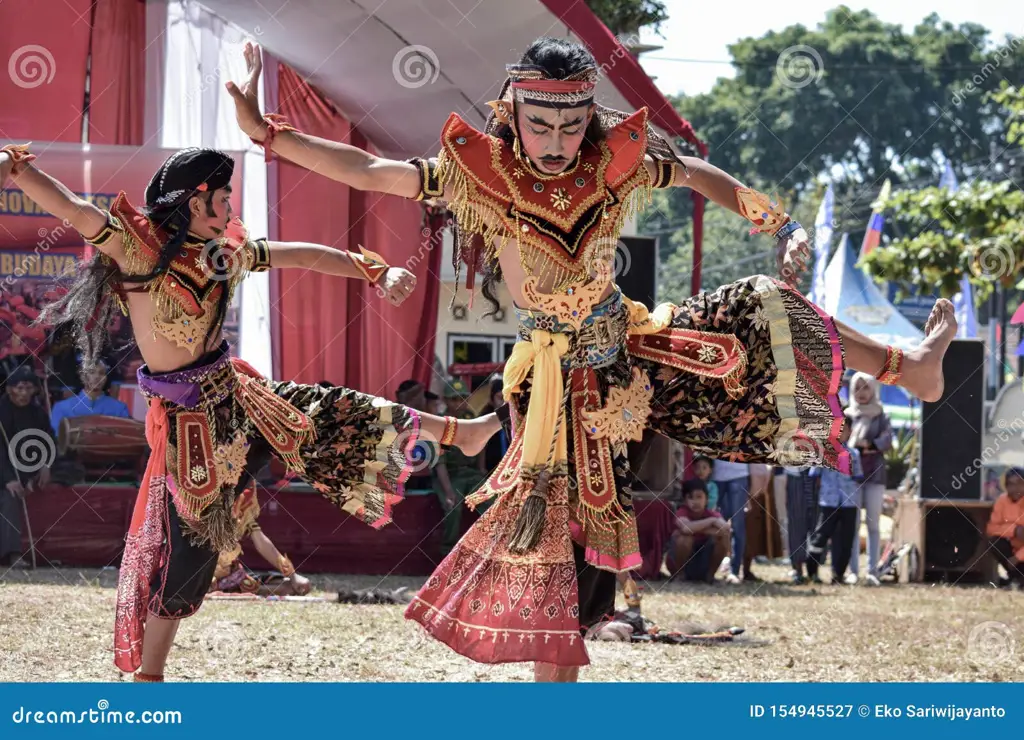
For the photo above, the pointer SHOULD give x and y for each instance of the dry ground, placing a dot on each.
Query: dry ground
(55, 625)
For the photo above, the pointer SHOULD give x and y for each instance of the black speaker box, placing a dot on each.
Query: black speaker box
(952, 427)
(636, 268)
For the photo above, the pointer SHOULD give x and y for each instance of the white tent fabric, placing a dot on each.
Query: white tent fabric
(202, 53)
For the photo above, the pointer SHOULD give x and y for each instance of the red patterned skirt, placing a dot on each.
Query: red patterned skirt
(495, 606)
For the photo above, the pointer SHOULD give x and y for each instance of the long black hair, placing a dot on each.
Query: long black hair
(559, 59)
(87, 308)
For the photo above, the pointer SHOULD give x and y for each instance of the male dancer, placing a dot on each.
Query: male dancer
(749, 372)
(172, 266)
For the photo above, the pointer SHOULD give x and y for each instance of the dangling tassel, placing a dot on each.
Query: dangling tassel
(530, 522)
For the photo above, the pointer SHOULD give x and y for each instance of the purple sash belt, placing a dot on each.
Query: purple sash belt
(183, 387)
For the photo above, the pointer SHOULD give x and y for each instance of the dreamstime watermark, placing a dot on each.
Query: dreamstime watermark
(47, 239)
(432, 239)
(993, 261)
(421, 450)
(225, 640)
(31, 450)
(990, 644)
(215, 77)
(1000, 55)
(1007, 430)
(221, 261)
(415, 66)
(31, 66)
(101, 715)
(796, 449)
(799, 66)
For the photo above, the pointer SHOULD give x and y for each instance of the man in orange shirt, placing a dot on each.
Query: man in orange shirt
(1006, 525)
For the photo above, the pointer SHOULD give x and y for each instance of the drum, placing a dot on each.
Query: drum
(102, 440)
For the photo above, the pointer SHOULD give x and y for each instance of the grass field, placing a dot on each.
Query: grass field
(55, 625)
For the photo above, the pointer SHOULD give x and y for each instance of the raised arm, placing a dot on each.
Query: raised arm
(53, 197)
(394, 283)
(346, 164)
(725, 190)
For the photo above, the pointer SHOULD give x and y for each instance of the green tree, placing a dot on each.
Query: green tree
(977, 231)
(629, 16)
(858, 99)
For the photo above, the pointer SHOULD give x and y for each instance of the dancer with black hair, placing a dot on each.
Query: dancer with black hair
(748, 373)
(213, 421)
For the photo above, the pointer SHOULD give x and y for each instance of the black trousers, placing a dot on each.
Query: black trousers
(833, 523)
(1003, 549)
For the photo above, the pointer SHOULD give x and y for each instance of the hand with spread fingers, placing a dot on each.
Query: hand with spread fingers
(397, 285)
(792, 255)
(246, 98)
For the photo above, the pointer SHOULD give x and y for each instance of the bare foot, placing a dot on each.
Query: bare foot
(474, 434)
(922, 373)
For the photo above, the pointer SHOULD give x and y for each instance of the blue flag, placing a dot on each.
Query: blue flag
(963, 302)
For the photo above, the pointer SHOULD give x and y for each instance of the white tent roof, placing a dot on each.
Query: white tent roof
(353, 52)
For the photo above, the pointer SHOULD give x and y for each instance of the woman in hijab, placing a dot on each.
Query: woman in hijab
(871, 433)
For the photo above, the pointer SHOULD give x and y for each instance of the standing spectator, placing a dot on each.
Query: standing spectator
(702, 469)
(839, 504)
(801, 514)
(1006, 526)
(498, 444)
(456, 475)
(411, 393)
(25, 445)
(701, 539)
(781, 513)
(871, 435)
(733, 480)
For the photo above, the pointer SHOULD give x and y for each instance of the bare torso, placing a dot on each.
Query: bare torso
(514, 275)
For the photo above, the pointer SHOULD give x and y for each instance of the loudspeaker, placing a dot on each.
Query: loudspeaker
(950, 540)
(636, 268)
(952, 427)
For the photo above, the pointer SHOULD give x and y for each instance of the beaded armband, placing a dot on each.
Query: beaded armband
(666, 174)
(430, 185)
(112, 228)
(892, 370)
(370, 264)
(275, 124)
(768, 216)
(451, 428)
(260, 250)
(19, 154)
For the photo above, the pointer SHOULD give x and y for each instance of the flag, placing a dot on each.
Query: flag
(963, 309)
(963, 302)
(874, 233)
(822, 241)
(948, 179)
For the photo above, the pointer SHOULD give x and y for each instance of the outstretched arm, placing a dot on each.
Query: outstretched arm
(346, 164)
(396, 283)
(53, 197)
(721, 188)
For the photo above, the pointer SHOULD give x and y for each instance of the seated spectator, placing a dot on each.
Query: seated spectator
(701, 540)
(91, 401)
(702, 469)
(1006, 526)
(411, 393)
(838, 512)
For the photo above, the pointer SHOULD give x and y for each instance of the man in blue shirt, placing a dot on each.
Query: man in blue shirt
(91, 401)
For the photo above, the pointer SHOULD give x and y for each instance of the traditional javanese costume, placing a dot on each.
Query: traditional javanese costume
(231, 575)
(213, 424)
(749, 372)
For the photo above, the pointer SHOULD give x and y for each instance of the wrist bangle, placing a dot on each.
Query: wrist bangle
(788, 228)
(370, 264)
(275, 123)
(20, 156)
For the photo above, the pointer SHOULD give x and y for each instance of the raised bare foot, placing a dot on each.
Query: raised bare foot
(474, 434)
(922, 371)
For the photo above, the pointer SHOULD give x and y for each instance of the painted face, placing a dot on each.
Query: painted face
(551, 137)
(211, 213)
(862, 392)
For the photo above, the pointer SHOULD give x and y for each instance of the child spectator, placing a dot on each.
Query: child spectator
(702, 469)
(701, 539)
(839, 504)
(1006, 526)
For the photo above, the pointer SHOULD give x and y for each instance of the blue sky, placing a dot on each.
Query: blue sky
(703, 30)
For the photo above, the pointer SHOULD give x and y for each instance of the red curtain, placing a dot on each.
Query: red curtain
(46, 52)
(338, 329)
(118, 91)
